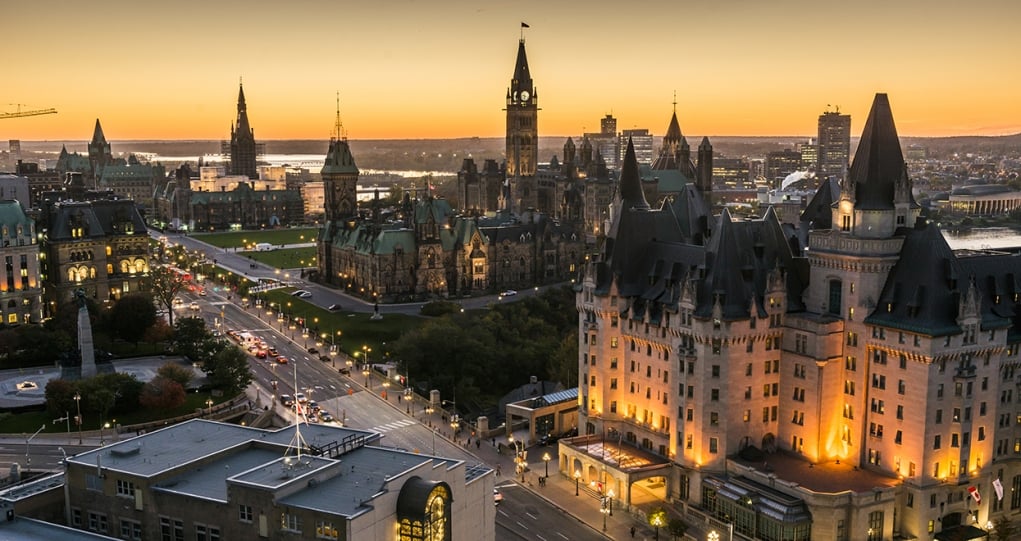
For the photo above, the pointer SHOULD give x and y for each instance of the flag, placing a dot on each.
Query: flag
(524, 25)
(998, 487)
(974, 494)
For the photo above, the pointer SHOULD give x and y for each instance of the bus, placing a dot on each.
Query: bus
(185, 275)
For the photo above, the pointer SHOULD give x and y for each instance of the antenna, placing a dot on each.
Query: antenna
(675, 101)
(338, 125)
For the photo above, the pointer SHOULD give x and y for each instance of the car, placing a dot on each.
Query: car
(325, 358)
(325, 416)
(344, 370)
(194, 306)
(261, 354)
(202, 293)
(313, 406)
(281, 359)
(301, 293)
(497, 497)
(273, 351)
(508, 293)
(178, 301)
(334, 308)
(286, 400)
(313, 351)
(300, 397)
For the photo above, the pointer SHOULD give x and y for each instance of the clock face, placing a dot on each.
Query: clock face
(524, 96)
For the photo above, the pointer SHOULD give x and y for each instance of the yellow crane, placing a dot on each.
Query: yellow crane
(29, 112)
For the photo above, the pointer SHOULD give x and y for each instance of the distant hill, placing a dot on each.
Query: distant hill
(448, 154)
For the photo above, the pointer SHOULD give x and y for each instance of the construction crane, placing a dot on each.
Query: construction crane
(30, 112)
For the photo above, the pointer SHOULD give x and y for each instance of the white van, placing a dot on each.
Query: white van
(263, 247)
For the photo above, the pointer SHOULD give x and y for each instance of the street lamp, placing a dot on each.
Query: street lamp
(577, 479)
(604, 510)
(365, 372)
(209, 406)
(609, 500)
(546, 458)
(28, 457)
(657, 521)
(713, 536)
(78, 419)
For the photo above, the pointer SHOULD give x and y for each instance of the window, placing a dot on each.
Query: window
(97, 522)
(714, 395)
(900, 412)
(875, 530)
(291, 523)
(326, 530)
(245, 513)
(93, 482)
(716, 370)
(835, 301)
(125, 488)
(714, 445)
(76, 517)
(937, 441)
(131, 529)
(714, 418)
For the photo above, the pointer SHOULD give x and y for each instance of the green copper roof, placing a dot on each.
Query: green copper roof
(11, 214)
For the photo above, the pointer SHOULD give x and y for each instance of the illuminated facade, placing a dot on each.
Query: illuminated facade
(20, 287)
(854, 381)
(834, 145)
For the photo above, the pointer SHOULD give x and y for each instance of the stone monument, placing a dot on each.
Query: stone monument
(85, 346)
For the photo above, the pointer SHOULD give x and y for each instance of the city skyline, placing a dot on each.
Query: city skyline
(408, 70)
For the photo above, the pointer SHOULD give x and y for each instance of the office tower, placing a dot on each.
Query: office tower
(834, 145)
(642, 141)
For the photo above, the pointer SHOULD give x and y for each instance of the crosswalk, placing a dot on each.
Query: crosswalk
(392, 426)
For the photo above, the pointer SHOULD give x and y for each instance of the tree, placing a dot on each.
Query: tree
(60, 397)
(189, 335)
(677, 528)
(228, 369)
(165, 284)
(131, 316)
(162, 393)
(657, 519)
(176, 372)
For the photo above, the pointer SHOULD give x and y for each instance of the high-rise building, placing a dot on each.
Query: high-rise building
(779, 164)
(642, 141)
(847, 382)
(834, 145)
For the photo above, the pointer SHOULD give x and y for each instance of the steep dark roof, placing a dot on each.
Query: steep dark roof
(819, 212)
(673, 132)
(97, 135)
(339, 159)
(922, 293)
(241, 125)
(521, 73)
(878, 163)
(631, 181)
(997, 276)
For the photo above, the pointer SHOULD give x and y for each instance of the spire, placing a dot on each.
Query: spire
(878, 165)
(522, 77)
(673, 132)
(241, 125)
(97, 135)
(338, 127)
(630, 181)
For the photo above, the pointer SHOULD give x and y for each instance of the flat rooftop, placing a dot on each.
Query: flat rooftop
(827, 477)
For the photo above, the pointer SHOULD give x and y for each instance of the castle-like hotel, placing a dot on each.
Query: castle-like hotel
(848, 378)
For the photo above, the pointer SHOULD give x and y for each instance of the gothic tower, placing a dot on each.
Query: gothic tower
(522, 135)
(99, 152)
(340, 177)
(242, 142)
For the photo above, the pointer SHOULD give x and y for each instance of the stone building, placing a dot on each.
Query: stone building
(20, 287)
(207, 480)
(93, 241)
(848, 382)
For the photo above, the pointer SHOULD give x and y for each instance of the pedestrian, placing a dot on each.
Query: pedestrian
(632, 531)
(498, 470)
(478, 443)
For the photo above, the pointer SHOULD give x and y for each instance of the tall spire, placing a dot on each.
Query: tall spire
(630, 181)
(878, 164)
(97, 134)
(241, 125)
(522, 77)
(338, 127)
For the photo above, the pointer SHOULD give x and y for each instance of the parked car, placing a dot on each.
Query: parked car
(325, 358)
(301, 293)
(509, 293)
(334, 308)
(313, 351)
(344, 370)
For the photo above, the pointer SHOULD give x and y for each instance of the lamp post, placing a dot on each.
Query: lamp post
(657, 521)
(78, 419)
(713, 536)
(604, 510)
(609, 500)
(577, 479)
(28, 457)
(546, 458)
(209, 406)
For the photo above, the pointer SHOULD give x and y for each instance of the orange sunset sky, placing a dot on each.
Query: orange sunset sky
(440, 68)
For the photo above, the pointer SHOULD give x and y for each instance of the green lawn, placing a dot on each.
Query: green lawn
(292, 258)
(30, 421)
(275, 237)
(356, 329)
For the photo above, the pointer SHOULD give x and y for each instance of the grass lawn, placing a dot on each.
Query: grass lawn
(234, 239)
(292, 258)
(356, 329)
(30, 421)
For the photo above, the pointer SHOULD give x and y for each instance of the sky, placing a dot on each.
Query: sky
(409, 69)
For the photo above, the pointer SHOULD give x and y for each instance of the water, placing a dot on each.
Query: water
(989, 238)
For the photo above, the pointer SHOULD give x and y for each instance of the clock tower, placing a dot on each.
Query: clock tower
(522, 135)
